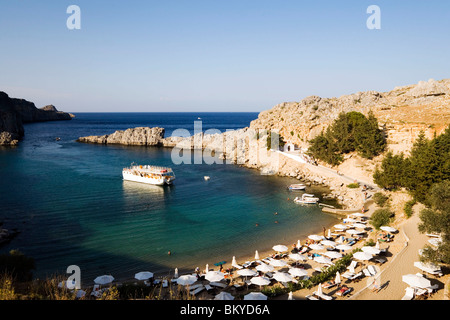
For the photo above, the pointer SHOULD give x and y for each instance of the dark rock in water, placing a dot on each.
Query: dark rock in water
(7, 235)
(15, 112)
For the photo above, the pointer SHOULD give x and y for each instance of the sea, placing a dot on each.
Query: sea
(71, 206)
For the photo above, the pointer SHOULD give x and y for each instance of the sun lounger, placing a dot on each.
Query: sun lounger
(329, 284)
(366, 272)
(343, 291)
(194, 292)
(348, 274)
(409, 294)
(309, 297)
(372, 270)
(218, 284)
(356, 276)
(208, 287)
(195, 286)
(323, 296)
(379, 260)
(352, 265)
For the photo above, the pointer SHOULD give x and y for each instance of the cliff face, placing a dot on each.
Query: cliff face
(15, 112)
(142, 136)
(403, 112)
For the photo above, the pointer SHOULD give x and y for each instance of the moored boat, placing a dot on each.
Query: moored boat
(307, 199)
(149, 174)
(299, 186)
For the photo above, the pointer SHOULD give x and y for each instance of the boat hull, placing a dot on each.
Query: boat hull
(160, 181)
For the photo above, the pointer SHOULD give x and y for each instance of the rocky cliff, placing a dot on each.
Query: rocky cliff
(15, 112)
(142, 136)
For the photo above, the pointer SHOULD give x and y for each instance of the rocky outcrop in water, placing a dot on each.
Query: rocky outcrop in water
(15, 112)
(141, 136)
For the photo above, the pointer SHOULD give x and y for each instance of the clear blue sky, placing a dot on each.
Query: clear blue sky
(245, 55)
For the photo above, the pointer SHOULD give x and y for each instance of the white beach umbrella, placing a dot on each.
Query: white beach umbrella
(213, 276)
(277, 263)
(256, 255)
(427, 267)
(340, 226)
(233, 261)
(282, 277)
(377, 245)
(247, 272)
(322, 259)
(224, 296)
(315, 246)
(207, 268)
(333, 254)
(260, 281)
(297, 257)
(337, 280)
(290, 296)
(416, 281)
(186, 280)
(360, 225)
(144, 275)
(362, 256)
(388, 229)
(280, 248)
(329, 233)
(349, 220)
(343, 247)
(328, 243)
(319, 290)
(353, 231)
(297, 272)
(264, 267)
(315, 237)
(371, 250)
(105, 279)
(255, 296)
(175, 275)
(298, 244)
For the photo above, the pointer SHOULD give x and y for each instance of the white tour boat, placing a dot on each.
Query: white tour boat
(297, 187)
(307, 199)
(149, 174)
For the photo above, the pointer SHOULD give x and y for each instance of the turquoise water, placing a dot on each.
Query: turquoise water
(72, 207)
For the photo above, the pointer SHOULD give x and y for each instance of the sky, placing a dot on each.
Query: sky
(215, 56)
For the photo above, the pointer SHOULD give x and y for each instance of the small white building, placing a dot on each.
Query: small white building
(290, 146)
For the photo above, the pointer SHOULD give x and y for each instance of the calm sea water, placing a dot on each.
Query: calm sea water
(72, 207)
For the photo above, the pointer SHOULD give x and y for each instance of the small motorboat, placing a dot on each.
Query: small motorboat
(297, 187)
(307, 199)
(207, 178)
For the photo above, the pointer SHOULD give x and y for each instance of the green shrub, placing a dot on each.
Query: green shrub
(381, 217)
(353, 185)
(408, 207)
(381, 199)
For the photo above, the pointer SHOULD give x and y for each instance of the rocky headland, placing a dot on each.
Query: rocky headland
(15, 112)
(402, 113)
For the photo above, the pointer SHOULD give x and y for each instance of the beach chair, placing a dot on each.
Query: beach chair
(323, 296)
(343, 291)
(199, 289)
(96, 292)
(409, 294)
(208, 287)
(310, 297)
(218, 284)
(352, 265)
(329, 284)
(356, 276)
(379, 260)
(348, 274)
(366, 272)
(372, 270)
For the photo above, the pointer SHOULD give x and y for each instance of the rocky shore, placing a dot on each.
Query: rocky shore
(15, 112)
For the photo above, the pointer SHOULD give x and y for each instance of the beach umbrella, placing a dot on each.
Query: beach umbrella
(280, 248)
(297, 257)
(298, 244)
(328, 243)
(319, 289)
(343, 247)
(255, 296)
(224, 296)
(349, 220)
(297, 272)
(333, 254)
(282, 277)
(260, 281)
(337, 280)
(277, 263)
(144, 275)
(175, 275)
(207, 268)
(264, 268)
(290, 296)
(362, 255)
(360, 225)
(416, 281)
(105, 279)
(371, 250)
(427, 267)
(353, 231)
(256, 255)
(218, 264)
(247, 272)
(315, 246)
(186, 280)
(377, 245)
(315, 237)
(213, 276)
(329, 233)
(323, 260)
(234, 263)
(340, 226)
(80, 294)
(388, 229)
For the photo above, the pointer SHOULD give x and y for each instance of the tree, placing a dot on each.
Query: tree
(392, 173)
(436, 219)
